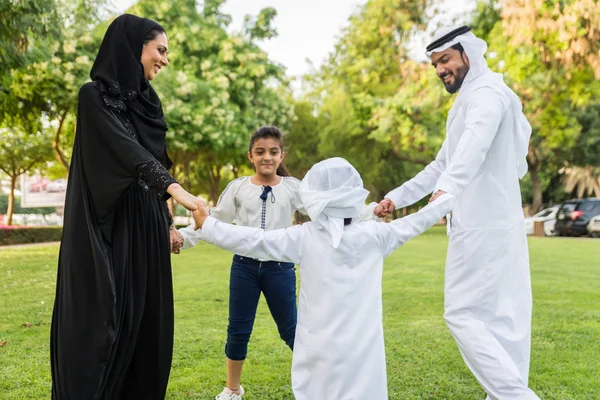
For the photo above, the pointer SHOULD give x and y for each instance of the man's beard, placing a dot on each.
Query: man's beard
(459, 77)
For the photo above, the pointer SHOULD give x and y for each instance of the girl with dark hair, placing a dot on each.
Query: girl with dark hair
(112, 325)
(268, 200)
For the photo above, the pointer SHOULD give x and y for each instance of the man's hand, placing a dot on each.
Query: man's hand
(176, 240)
(384, 208)
(436, 195)
(200, 216)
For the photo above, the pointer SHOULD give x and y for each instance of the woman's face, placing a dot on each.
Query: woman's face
(154, 55)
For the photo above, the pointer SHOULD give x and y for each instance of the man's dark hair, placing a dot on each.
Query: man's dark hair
(458, 47)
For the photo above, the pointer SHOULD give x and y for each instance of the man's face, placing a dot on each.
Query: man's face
(451, 66)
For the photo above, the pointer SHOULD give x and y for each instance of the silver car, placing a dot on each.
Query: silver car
(547, 216)
(593, 227)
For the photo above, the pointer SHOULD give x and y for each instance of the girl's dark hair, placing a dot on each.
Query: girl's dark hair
(270, 132)
(347, 221)
(153, 34)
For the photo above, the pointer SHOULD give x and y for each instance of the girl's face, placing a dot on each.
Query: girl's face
(266, 155)
(154, 56)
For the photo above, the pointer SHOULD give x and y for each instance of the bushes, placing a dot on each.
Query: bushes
(19, 235)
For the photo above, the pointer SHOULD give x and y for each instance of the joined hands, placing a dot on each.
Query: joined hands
(386, 206)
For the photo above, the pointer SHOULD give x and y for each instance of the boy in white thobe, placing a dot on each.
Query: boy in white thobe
(339, 349)
(488, 287)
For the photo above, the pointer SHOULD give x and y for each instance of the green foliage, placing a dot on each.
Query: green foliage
(18, 235)
(537, 45)
(19, 210)
(371, 103)
(24, 28)
(219, 87)
(22, 152)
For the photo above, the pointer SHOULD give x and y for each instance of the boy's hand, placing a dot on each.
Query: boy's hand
(436, 195)
(384, 208)
(200, 216)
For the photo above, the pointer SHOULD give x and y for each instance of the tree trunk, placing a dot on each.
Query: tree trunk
(537, 187)
(56, 143)
(215, 181)
(11, 200)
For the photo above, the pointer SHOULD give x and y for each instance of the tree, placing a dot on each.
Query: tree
(582, 180)
(51, 83)
(548, 51)
(218, 88)
(21, 152)
(373, 105)
(23, 24)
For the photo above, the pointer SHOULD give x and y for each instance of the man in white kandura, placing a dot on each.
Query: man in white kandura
(339, 348)
(487, 283)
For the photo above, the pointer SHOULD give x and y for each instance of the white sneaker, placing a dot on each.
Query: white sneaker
(227, 394)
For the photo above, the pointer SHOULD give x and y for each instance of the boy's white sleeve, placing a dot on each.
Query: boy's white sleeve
(190, 236)
(278, 245)
(224, 211)
(396, 233)
(369, 214)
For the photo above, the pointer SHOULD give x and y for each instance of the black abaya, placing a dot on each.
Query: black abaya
(112, 326)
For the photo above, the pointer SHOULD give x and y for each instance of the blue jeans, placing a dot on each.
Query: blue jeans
(249, 277)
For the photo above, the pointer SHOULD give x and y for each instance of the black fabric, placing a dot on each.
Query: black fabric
(447, 37)
(112, 325)
(119, 68)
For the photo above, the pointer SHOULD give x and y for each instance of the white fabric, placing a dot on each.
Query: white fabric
(241, 202)
(339, 346)
(487, 281)
(331, 191)
(480, 76)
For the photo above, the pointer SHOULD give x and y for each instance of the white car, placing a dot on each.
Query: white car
(593, 226)
(547, 216)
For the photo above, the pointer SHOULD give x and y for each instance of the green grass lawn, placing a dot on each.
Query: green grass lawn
(423, 361)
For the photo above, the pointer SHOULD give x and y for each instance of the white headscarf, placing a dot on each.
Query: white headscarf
(331, 191)
(480, 75)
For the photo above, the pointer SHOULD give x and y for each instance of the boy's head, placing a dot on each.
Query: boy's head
(332, 190)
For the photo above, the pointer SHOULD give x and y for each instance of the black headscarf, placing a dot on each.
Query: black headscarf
(119, 69)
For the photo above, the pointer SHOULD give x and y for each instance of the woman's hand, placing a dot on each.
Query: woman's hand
(176, 240)
(184, 198)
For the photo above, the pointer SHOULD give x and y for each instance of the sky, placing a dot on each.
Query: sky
(308, 29)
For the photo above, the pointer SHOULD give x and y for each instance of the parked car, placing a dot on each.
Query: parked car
(59, 185)
(574, 216)
(594, 226)
(547, 216)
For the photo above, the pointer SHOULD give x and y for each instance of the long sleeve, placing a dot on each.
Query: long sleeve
(226, 207)
(422, 184)
(483, 116)
(396, 233)
(280, 244)
(225, 211)
(157, 177)
(190, 236)
(369, 214)
(115, 160)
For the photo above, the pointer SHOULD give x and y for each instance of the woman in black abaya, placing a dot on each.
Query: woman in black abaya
(112, 326)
